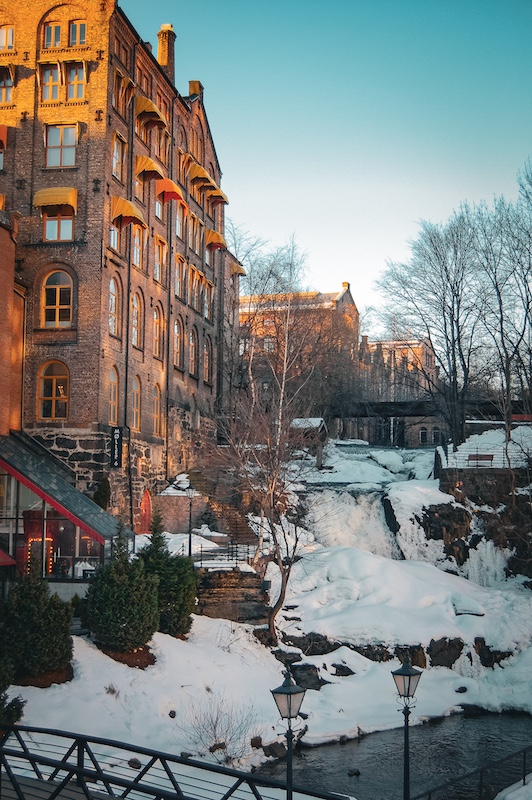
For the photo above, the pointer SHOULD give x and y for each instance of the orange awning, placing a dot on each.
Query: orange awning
(147, 166)
(198, 173)
(57, 196)
(148, 110)
(2, 202)
(214, 240)
(168, 190)
(216, 195)
(237, 269)
(123, 212)
(3, 137)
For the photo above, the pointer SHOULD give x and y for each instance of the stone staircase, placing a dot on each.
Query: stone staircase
(223, 501)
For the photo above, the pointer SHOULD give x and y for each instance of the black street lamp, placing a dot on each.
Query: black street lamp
(288, 699)
(406, 680)
(190, 493)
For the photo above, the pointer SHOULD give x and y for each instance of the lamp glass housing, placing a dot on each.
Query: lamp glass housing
(288, 697)
(406, 679)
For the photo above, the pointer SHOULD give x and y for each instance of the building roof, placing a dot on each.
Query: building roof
(324, 300)
(45, 477)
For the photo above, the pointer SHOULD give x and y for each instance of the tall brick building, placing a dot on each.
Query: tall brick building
(120, 246)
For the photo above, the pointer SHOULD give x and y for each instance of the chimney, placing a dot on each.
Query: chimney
(195, 88)
(165, 50)
(345, 285)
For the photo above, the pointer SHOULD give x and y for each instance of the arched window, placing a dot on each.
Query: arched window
(57, 300)
(178, 344)
(193, 352)
(114, 307)
(136, 320)
(157, 333)
(423, 436)
(156, 411)
(207, 361)
(54, 379)
(436, 436)
(113, 397)
(135, 403)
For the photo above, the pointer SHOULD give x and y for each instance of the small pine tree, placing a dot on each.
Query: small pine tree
(10, 710)
(177, 581)
(37, 635)
(122, 601)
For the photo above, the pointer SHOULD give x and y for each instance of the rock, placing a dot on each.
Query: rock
(312, 644)
(171, 714)
(354, 773)
(274, 750)
(256, 742)
(461, 690)
(489, 657)
(134, 763)
(444, 652)
(307, 676)
(342, 670)
(217, 746)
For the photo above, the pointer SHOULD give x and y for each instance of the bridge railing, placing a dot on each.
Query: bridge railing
(49, 764)
(486, 783)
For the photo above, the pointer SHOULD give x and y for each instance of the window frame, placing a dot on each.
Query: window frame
(136, 403)
(78, 26)
(62, 300)
(113, 308)
(119, 157)
(207, 360)
(6, 85)
(7, 33)
(137, 338)
(193, 354)
(63, 214)
(75, 80)
(64, 149)
(179, 343)
(52, 396)
(137, 246)
(50, 83)
(53, 42)
(156, 411)
(158, 328)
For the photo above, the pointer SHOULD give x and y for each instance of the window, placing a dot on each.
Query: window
(180, 279)
(207, 361)
(268, 344)
(7, 37)
(52, 35)
(157, 333)
(57, 301)
(422, 436)
(50, 82)
(156, 411)
(196, 146)
(119, 157)
(208, 301)
(178, 344)
(135, 403)
(137, 236)
(436, 436)
(158, 208)
(194, 234)
(6, 86)
(115, 237)
(75, 80)
(113, 396)
(161, 144)
(159, 262)
(58, 223)
(114, 308)
(53, 391)
(61, 145)
(136, 321)
(77, 33)
(180, 221)
(193, 352)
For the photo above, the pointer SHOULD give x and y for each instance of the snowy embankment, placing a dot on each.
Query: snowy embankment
(351, 586)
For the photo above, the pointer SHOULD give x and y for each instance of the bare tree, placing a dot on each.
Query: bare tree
(435, 294)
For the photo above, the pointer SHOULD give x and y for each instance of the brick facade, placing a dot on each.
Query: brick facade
(116, 179)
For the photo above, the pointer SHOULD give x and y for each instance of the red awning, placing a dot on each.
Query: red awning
(167, 190)
(52, 501)
(5, 560)
(3, 137)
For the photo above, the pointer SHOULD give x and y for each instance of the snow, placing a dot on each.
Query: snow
(351, 585)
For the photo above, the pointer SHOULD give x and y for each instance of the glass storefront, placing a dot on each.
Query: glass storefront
(33, 532)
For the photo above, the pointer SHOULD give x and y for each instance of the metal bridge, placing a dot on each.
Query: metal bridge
(43, 764)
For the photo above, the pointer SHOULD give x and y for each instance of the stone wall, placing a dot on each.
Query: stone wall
(234, 595)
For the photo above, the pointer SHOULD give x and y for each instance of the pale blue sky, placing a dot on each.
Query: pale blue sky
(345, 122)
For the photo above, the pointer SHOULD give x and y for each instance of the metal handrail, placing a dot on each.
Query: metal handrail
(485, 789)
(91, 766)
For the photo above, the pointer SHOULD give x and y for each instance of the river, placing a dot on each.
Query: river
(440, 751)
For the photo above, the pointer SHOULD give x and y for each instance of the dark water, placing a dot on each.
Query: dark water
(440, 751)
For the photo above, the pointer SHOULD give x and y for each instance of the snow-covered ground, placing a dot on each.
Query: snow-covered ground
(351, 585)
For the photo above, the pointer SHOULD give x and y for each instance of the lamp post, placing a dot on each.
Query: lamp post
(288, 699)
(406, 680)
(190, 493)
